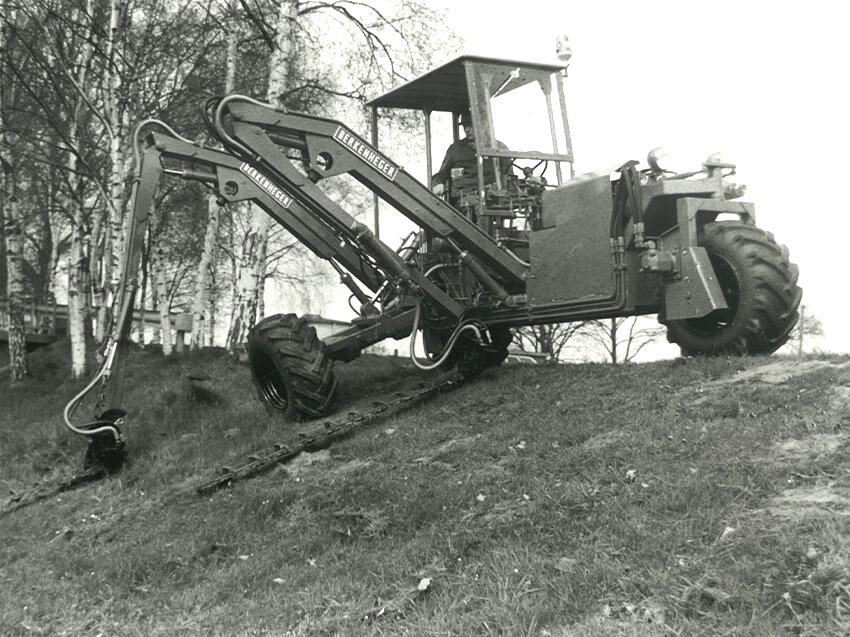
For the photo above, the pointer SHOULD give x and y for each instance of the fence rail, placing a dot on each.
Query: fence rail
(44, 322)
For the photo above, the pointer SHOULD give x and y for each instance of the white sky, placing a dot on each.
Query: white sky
(765, 83)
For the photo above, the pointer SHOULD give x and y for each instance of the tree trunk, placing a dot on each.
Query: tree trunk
(158, 264)
(97, 246)
(44, 249)
(260, 274)
(114, 244)
(211, 311)
(13, 235)
(3, 275)
(143, 293)
(203, 304)
(56, 243)
(201, 300)
(76, 302)
(18, 364)
(614, 341)
(281, 58)
(252, 267)
(248, 286)
(78, 305)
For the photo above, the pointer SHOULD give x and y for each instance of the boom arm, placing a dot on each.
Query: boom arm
(259, 168)
(161, 152)
(258, 131)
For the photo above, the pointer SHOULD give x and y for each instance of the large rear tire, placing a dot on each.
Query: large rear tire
(760, 287)
(289, 367)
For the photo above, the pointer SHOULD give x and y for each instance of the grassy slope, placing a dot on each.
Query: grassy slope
(680, 497)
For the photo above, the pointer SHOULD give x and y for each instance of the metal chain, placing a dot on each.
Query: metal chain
(257, 462)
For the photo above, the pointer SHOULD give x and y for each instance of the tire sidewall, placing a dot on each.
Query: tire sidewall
(732, 338)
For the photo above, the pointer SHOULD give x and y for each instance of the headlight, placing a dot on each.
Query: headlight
(563, 50)
(659, 160)
(733, 191)
(718, 160)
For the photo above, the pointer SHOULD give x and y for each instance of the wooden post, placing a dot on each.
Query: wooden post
(182, 324)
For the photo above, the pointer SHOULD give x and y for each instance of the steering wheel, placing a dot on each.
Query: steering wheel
(528, 173)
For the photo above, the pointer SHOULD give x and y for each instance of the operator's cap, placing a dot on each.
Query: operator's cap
(466, 118)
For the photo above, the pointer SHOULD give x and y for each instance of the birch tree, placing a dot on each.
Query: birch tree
(60, 42)
(161, 289)
(201, 304)
(13, 234)
(12, 230)
(253, 262)
(108, 245)
(78, 300)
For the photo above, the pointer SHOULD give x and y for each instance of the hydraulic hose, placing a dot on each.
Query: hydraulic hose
(98, 426)
(447, 350)
(227, 139)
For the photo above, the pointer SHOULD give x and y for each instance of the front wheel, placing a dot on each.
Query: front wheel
(759, 284)
(289, 367)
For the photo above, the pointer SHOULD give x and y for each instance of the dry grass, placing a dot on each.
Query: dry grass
(691, 497)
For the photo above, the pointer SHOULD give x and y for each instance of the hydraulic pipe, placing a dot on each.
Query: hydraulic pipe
(377, 201)
(429, 167)
(467, 259)
(348, 281)
(388, 259)
(562, 101)
(482, 275)
(548, 90)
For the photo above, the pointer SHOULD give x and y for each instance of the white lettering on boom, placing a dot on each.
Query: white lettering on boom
(263, 182)
(366, 152)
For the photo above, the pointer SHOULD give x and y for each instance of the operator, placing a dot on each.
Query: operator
(459, 168)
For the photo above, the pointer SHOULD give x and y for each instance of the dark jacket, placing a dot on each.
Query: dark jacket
(461, 154)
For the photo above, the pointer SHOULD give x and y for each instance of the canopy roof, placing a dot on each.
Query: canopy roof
(445, 88)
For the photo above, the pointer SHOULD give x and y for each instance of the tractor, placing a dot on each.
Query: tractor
(538, 245)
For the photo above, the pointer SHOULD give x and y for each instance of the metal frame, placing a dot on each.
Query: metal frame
(471, 83)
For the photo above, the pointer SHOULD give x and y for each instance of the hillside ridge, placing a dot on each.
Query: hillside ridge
(694, 496)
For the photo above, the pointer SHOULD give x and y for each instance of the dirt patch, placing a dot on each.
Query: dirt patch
(350, 467)
(303, 462)
(839, 402)
(647, 618)
(812, 447)
(826, 500)
(446, 447)
(775, 373)
(604, 440)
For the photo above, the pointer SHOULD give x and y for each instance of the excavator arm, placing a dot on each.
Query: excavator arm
(262, 148)
(256, 130)
(160, 151)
